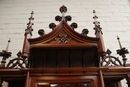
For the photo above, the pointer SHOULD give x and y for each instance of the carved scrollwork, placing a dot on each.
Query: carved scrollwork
(109, 60)
(17, 62)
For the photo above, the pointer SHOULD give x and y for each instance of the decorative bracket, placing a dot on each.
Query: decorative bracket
(18, 62)
(109, 60)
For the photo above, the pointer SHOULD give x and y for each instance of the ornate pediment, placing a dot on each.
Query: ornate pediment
(63, 34)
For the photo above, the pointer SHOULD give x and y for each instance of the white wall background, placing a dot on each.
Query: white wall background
(114, 16)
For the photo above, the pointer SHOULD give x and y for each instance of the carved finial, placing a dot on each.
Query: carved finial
(85, 32)
(119, 42)
(19, 54)
(58, 18)
(41, 32)
(52, 26)
(5, 54)
(8, 45)
(97, 27)
(108, 52)
(68, 18)
(122, 52)
(63, 9)
(29, 27)
(74, 25)
(94, 11)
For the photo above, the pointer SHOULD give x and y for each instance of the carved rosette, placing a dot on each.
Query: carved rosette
(63, 39)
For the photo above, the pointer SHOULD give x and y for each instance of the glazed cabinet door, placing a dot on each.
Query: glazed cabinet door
(64, 81)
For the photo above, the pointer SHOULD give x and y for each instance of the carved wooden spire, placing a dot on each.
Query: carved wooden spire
(28, 34)
(29, 27)
(98, 33)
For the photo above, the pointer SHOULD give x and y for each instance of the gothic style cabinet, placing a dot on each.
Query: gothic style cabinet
(64, 58)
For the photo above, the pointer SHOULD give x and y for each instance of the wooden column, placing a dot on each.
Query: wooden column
(98, 33)
(101, 79)
(27, 84)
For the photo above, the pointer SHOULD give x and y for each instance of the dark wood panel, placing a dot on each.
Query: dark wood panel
(37, 58)
(90, 57)
(52, 58)
(63, 57)
(76, 57)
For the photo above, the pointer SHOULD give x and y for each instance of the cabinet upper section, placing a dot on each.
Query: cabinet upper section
(63, 35)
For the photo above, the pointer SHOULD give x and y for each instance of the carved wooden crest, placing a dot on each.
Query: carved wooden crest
(63, 34)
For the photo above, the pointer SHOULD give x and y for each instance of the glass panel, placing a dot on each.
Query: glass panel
(70, 84)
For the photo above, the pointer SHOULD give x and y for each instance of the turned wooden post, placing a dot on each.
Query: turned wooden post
(101, 79)
(98, 33)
